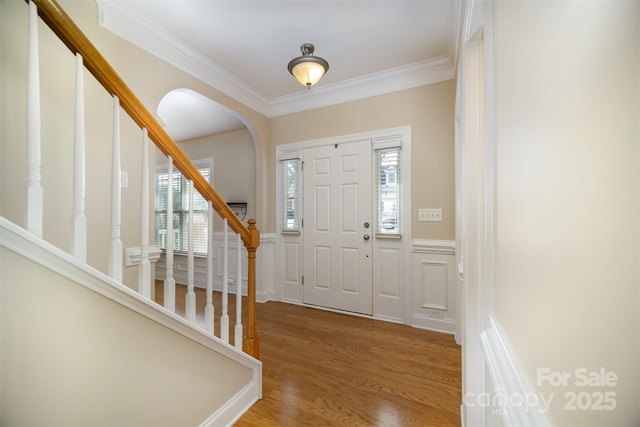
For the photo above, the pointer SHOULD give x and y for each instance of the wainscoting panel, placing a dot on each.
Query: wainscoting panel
(232, 262)
(266, 268)
(291, 268)
(434, 285)
(292, 271)
(265, 271)
(387, 279)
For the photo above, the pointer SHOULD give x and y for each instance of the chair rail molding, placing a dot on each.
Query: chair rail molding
(445, 247)
(132, 255)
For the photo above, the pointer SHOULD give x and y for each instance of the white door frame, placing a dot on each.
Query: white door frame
(288, 278)
(475, 201)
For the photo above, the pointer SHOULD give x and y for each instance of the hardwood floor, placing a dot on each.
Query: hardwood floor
(201, 299)
(328, 369)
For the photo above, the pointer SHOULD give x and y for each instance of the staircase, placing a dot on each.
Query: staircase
(82, 343)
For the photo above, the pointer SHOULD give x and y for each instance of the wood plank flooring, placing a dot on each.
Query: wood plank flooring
(201, 300)
(328, 369)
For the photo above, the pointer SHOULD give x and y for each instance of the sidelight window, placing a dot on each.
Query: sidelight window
(291, 213)
(387, 191)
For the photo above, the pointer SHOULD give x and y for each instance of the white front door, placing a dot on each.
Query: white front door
(338, 227)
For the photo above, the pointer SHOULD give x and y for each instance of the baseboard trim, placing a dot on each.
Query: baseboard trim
(437, 325)
(508, 381)
(265, 296)
(389, 319)
(417, 321)
(235, 407)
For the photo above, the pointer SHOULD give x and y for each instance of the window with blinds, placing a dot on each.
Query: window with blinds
(387, 195)
(291, 214)
(181, 212)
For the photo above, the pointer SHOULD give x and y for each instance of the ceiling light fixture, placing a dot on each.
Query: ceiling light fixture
(308, 69)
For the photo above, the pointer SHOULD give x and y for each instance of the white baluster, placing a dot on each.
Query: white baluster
(79, 228)
(34, 160)
(144, 268)
(238, 337)
(169, 280)
(191, 295)
(115, 254)
(209, 310)
(224, 319)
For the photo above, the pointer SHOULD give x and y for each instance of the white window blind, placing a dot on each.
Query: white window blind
(387, 196)
(291, 195)
(181, 212)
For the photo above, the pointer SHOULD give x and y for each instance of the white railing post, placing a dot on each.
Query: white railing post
(169, 280)
(35, 203)
(191, 295)
(238, 336)
(79, 228)
(209, 310)
(115, 254)
(144, 268)
(224, 318)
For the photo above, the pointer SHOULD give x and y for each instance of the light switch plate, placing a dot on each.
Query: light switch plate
(429, 214)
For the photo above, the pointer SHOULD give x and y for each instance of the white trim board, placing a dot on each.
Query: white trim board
(234, 408)
(35, 249)
(140, 31)
(508, 381)
(445, 247)
(446, 326)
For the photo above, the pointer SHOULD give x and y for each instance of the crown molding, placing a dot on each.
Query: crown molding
(392, 80)
(453, 38)
(138, 30)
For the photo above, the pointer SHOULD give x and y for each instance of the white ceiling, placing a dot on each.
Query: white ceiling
(186, 114)
(242, 47)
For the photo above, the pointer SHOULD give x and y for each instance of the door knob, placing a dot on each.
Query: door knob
(366, 237)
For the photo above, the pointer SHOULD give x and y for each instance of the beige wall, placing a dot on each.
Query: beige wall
(149, 78)
(567, 120)
(429, 110)
(57, 91)
(75, 358)
(234, 162)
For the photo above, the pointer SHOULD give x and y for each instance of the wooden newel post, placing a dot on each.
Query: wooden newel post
(251, 342)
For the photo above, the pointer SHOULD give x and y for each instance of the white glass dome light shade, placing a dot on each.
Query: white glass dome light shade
(308, 73)
(308, 69)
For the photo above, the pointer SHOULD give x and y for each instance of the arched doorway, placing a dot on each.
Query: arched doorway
(206, 129)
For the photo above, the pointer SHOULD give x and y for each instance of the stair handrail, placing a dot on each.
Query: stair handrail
(70, 34)
(64, 27)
